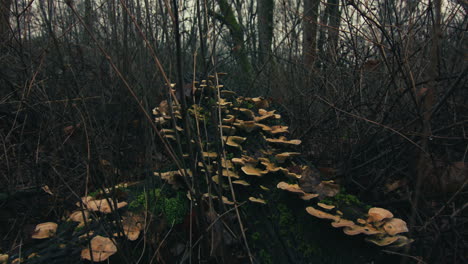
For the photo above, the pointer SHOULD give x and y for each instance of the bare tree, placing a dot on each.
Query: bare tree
(4, 19)
(265, 9)
(309, 41)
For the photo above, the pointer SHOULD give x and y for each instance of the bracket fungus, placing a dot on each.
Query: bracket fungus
(281, 157)
(105, 206)
(321, 214)
(132, 226)
(377, 214)
(101, 249)
(395, 226)
(257, 144)
(257, 200)
(252, 171)
(234, 141)
(80, 216)
(44, 230)
(283, 140)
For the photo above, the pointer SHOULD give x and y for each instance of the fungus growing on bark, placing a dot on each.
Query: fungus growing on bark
(44, 230)
(210, 155)
(395, 226)
(234, 141)
(294, 188)
(79, 216)
(101, 249)
(174, 178)
(342, 223)
(309, 196)
(377, 214)
(263, 127)
(132, 226)
(252, 171)
(231, 174)
(283, 140)
(321, 214)
(246, 112)
(357, 229)
(229, 119)
(105, 206)
(247, 126)
(290, 174)
(264, 114)
(261, 102)
(241, 182)
(238, 161)
(269, 165)
(279, 129)
(326, 206)
(257, 200)
(281, 157)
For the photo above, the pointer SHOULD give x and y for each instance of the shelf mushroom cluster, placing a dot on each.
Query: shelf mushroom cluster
(258, 148)
(380, 226)
(90, 211)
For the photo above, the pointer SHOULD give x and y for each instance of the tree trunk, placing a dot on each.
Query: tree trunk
(334, 21)
(309, 42)
(4, 20)
(237, 36)
(265, 10)
(424, 160)
(88, 20)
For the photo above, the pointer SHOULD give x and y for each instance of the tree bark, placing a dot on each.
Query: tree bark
(265, 9)
(4, 20)
(309, 41)
(237, 36)
(334, 21)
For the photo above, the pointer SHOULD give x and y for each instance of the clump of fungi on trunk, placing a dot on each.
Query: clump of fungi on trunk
(256, 142)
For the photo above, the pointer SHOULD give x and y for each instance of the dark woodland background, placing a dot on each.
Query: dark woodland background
(376, 91)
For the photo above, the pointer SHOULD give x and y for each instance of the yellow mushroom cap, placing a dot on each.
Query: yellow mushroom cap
(326, 206)
(210, 155)
(247, 126)
(234, 141)
(132, 225)
(308, 196)
(229, 173)
(44, 230)
(250, 170)
(342, 223)
(102, 248)
(241, 182)
(395, 226)
(257, 200)
(294, 188)
(269, 165)
(238, 161)
(377, 214)
(105, 206)
(281, 157)
(321, 214)
(279, 129)
(283, 140)
(356, 229)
